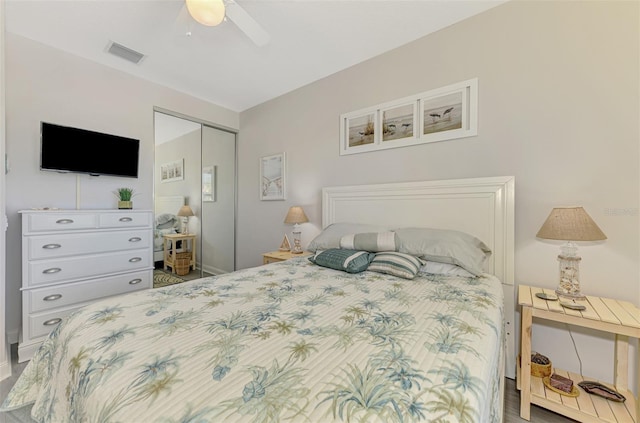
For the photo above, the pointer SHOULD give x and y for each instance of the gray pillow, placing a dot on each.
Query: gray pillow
(350, 261)
(445, 246)
(330, 236)
(371, 241)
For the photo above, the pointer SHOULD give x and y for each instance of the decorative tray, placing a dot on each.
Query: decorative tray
(574, 389)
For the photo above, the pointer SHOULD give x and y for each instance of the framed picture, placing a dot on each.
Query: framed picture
(399, 122)
(437, 115)
(209, 184)
(449, 112)
(172, 171)
(358, 131)
(272, 177)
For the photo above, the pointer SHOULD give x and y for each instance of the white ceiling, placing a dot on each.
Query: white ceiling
(310, 39)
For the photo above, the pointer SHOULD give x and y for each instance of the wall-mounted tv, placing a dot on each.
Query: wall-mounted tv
(66, 149)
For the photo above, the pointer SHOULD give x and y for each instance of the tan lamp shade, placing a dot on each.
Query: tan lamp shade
(570, 224)
(185, 211)
(296, 215)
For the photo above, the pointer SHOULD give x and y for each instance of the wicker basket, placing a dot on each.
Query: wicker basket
(182, 266)
(541, 370)
(185, 255)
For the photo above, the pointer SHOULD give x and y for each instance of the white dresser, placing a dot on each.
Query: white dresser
(73, 257)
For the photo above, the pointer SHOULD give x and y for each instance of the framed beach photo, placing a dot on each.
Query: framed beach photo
(358, 131)
(209, 184)
(399, 121)
(449, 112)
(172, 171)
(272, 177)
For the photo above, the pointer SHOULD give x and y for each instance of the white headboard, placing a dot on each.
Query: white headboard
(168, 204)
(483, 207)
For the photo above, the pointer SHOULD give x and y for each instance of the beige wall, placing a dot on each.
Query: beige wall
(46, 84)
(558, 109)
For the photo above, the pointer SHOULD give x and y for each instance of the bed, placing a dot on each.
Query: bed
(166, 222)
(299, 340)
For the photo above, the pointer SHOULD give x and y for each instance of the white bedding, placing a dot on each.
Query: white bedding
(286, 341)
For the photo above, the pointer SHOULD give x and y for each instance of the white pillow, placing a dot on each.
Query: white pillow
(444, 269)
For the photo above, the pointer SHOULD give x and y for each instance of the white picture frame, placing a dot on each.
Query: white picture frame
(172, 171)
(441, 114)
(273, 178)
(209, 184)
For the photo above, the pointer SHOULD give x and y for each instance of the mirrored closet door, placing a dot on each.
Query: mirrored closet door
(194, 197)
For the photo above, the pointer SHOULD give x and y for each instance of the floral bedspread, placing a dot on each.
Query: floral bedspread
(289, 341)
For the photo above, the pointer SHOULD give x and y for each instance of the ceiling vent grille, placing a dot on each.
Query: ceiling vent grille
(124, 52)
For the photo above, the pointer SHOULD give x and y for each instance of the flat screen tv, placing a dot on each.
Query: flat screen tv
(66, 149)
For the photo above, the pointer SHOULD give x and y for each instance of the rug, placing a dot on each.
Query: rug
(162, 278)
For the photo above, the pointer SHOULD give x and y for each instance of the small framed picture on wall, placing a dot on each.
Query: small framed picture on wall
(272, 177)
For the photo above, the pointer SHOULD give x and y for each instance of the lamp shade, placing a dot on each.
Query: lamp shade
(296, 215)
(570, 224)
(185, 211)
(207, 12)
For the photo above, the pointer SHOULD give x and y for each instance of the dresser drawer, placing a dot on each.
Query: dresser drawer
(61, 245)
(50, 297)
(42, 324)
(125, 220)
(84, 267)
(55, 221)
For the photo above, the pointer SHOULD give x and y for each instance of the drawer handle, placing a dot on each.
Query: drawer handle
(51, 270)
(135, 239)
(52, 322)
(52, 297)
(51, 246)
(135, 281)
(135, 259)
(126, 219)
(64, 221)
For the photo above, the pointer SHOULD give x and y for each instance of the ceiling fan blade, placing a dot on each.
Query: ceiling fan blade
(247, 24)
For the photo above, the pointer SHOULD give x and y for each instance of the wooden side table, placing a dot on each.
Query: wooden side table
(188, 246)
(275, 256)
(620, 318)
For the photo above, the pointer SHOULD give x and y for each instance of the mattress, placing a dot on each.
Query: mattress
(285, 341)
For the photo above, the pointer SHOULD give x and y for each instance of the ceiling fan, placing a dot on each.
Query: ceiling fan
(214, 12)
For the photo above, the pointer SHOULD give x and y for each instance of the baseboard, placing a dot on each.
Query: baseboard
(5, 365)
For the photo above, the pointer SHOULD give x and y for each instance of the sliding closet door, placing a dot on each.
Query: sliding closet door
(218, 200)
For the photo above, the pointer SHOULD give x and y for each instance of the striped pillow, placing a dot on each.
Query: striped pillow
(397, 264)
(370, 241)
(350, 261)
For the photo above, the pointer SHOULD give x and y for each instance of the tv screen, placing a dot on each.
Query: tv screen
(66, 149)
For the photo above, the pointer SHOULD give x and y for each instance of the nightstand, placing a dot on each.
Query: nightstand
(620, 318)
(172, 252)
(275, 256)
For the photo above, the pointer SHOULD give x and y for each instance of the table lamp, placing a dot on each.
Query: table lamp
(570, 224)
(296, 216)
(185, 212)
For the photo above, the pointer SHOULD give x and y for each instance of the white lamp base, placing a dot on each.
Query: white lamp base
(569, 285)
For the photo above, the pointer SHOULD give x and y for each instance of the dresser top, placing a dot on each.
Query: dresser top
(53, 210)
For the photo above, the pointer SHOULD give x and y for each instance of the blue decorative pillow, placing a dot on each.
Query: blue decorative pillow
(350, 261)
(397, 264)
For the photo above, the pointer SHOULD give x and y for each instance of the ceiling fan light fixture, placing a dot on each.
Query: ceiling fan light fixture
(206, 12)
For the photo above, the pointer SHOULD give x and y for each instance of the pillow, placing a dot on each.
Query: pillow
(166, 220)
(350, 261)
(444, 246)
(370, 241)
(397, 264)
(330, 236)
(444, 269)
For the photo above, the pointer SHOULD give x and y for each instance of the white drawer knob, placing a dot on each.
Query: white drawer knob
(135, 281)
(51, 246)
(64, 221)
(52, 322)
(125, 219)
(135, 259)
(52, 297)
(51, 270)
(135, 239)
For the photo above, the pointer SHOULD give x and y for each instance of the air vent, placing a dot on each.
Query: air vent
(124, 52)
